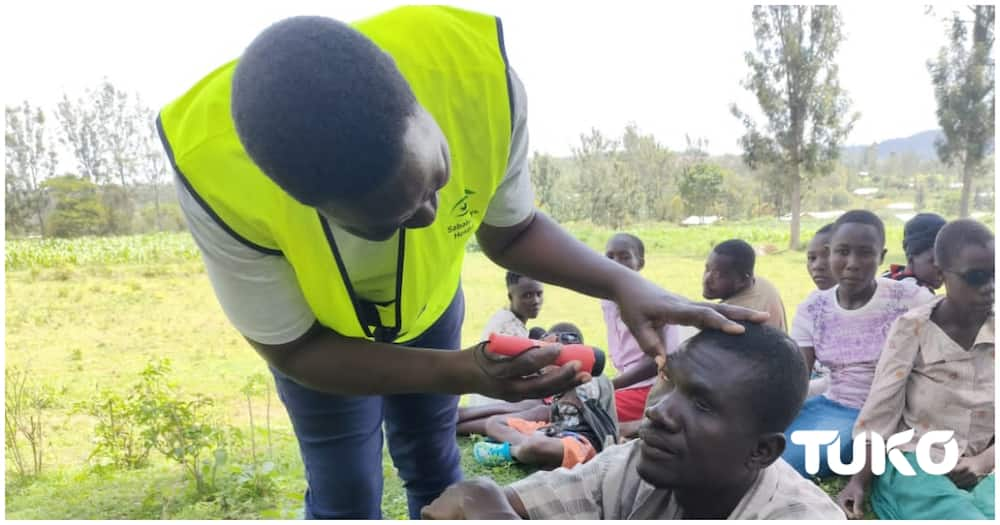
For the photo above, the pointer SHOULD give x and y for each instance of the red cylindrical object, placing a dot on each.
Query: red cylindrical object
(591, 357)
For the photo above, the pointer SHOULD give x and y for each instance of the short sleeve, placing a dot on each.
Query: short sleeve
(803, 323)
(257, 291)
(514, 199)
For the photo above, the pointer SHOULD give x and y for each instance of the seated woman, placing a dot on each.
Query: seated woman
(636, 370)
(818, 266)
(918, 244)
(937, 373)
(845, 327)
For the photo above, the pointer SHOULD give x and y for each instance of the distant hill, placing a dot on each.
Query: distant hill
(921, 144)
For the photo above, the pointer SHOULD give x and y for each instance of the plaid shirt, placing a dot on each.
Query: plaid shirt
(609, 488)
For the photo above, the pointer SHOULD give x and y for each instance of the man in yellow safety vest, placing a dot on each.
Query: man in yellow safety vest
(332, 177)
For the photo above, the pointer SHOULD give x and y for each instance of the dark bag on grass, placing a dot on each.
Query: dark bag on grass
(590, 413)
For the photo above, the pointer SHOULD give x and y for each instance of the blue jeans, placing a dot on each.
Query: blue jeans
(340, 438)
(820, 413)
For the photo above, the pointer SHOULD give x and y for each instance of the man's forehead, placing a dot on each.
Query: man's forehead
(719, 260)
(709, 366)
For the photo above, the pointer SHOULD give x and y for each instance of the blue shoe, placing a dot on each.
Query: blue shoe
(492, 454)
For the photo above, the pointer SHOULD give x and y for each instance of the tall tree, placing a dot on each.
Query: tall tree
(963, 76)
(650, 165)
(152, 158)
(105, 132)
(794, 77)
(79, 134)
(30, 160)
(603, 184)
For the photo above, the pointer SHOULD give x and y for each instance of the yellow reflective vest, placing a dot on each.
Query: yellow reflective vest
(455, 63)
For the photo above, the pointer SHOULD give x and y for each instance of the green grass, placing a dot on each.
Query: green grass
(91, 313)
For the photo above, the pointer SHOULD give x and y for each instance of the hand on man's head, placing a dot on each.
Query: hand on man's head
(645, 308)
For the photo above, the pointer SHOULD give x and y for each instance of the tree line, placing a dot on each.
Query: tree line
(118, 182)
(791, 158)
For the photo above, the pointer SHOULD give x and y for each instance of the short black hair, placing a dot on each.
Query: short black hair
(778, 380)
(920, 231)
(513, 278)
(320, 109)
(566, 328)
(536, 332)
(862, 217)
(954, 236)
(827, 228)
(640, 248)
(740, 252)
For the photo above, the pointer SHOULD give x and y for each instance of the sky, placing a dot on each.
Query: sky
(670, 69)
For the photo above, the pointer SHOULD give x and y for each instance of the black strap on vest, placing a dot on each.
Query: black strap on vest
(367, 311)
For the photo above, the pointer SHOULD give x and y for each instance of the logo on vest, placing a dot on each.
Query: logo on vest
(463, 212)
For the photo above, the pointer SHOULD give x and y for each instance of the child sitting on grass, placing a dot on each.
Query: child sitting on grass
(918, 244)
(711, 448)
(578, 424)
(636, 370)
(937, 373)
(525, 297)
(845, 327)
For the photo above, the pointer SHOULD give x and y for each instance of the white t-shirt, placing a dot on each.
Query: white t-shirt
(259, 292)
(850, 342)
(504, 322)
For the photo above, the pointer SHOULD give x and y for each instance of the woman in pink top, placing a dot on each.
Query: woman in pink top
(636, 370)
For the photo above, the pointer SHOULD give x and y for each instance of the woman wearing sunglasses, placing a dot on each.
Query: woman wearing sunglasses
(937, 373)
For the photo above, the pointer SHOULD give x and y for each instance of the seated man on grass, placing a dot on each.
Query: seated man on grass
(729, 277)
(710, 448)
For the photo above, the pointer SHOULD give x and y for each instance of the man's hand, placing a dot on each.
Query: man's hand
(852, 499)
(517, 378)
(476, 499)
(645, 308)
(970, 470)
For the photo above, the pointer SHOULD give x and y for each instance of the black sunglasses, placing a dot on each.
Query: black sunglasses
(975, 278)
(566, 338)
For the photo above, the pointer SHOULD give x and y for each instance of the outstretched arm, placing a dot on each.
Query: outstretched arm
(542, 249)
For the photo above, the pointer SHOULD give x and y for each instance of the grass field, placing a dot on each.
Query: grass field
(90, 314)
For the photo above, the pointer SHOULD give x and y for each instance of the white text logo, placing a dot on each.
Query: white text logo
(812, 440)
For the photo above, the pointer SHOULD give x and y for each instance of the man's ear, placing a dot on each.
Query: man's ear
(881, 258)
(642, 262)
(510, 297)
(768, 449)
